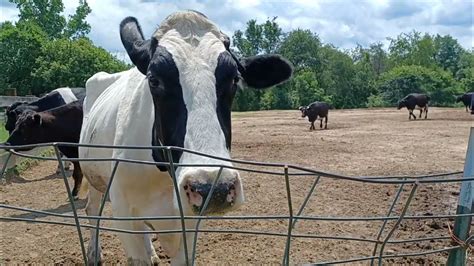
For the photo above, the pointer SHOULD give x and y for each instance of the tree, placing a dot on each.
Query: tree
(302, 47)
(20, 45)
(448, 53)
(256, 39)
(70, 63)
(402, 80)
(47, 15)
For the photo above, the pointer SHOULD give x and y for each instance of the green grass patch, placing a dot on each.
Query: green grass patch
(24, 164)
(3, 132)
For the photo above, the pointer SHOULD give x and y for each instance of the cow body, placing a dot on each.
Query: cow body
(314, 111)
(61, 124)
(415, 101)
(466, 99)
(179, 94)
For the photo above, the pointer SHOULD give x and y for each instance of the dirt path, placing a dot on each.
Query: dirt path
(358, 142)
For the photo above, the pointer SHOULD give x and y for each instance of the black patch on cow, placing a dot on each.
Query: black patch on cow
(171, 114)
(226, 85)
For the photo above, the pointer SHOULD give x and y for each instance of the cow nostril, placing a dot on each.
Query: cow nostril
(185, 187)
(232, 187)
(193, 189)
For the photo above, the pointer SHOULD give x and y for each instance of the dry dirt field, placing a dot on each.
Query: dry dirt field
(357, 143)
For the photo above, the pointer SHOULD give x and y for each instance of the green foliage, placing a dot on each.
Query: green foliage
(67, 62)
(44, 51)
(3, 133)
(20, 45)
(302, 48)
(376, 100)
(402, 80)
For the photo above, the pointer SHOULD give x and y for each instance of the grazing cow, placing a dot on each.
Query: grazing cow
(314, 111)
(179, 94)
(466, 98)
(415, 101)
(61, 124)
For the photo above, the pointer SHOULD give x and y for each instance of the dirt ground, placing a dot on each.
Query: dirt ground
(357, 143)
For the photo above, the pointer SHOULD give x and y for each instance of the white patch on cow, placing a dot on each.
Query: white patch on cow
(67, 95)
(195, 49)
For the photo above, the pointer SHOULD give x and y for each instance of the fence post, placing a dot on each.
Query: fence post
(465, 206)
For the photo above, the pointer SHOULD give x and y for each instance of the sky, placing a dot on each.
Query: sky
(342, 23)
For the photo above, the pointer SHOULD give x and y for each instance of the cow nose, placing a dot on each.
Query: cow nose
(226, 194)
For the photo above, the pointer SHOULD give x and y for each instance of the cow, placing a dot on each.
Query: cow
(415, 101)
(53, 99)
(178, 94)
(314, 111)
(60, 124)
(466, 99)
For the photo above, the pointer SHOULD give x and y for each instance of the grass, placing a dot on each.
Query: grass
(3, 132)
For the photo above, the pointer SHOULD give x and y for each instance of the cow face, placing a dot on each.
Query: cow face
(12, 112)
(401, 104)
(192, 77)
(26, 131)
(303, 110)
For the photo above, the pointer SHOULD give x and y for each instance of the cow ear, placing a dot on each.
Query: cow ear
(264, 71)
(139, 50)
(38, 120)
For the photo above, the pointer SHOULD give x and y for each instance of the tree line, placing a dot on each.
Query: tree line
(45, 50)
(361, 77)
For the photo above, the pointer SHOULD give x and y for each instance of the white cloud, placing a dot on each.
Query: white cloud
(342, 23)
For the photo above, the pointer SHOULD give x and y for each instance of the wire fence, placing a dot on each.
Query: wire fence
(390, 222)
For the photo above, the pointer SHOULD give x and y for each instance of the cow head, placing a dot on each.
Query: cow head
(303, 110)
(192, 76)
(459, 98)
(26, 131)
(401, 104)
(11, 114)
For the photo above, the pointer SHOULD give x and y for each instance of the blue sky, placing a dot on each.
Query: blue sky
(342, 23)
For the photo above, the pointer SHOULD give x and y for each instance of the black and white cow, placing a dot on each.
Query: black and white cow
(51, 100)
(415, 101)
(466, 99)
(314, 111)
(60, 124)
(179, 94)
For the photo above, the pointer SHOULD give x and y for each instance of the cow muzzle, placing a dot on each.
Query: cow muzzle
(197, 186)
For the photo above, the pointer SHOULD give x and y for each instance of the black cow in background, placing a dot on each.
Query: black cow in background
(415, 101)
(315, 110)
(61, 124)
(466, 99)
(51, 100)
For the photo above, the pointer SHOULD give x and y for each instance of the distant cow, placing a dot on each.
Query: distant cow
(51, 100)
(315, 110)
(61, 124)
(415, 101)
(466, 98)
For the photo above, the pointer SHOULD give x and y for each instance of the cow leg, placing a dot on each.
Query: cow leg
(312, 126)
(138, 247)
(326, 122)
(426, 112)
(321, 123)
(67, 165)
(92, 209)
(421, 112)
(180, 259)
(77, 176)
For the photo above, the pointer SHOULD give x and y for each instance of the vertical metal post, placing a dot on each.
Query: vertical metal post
(286, 256)
(462, 225)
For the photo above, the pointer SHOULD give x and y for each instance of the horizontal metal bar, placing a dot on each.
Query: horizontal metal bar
(254, 217)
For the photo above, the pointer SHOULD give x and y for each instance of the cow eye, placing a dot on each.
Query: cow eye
(236, 79)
